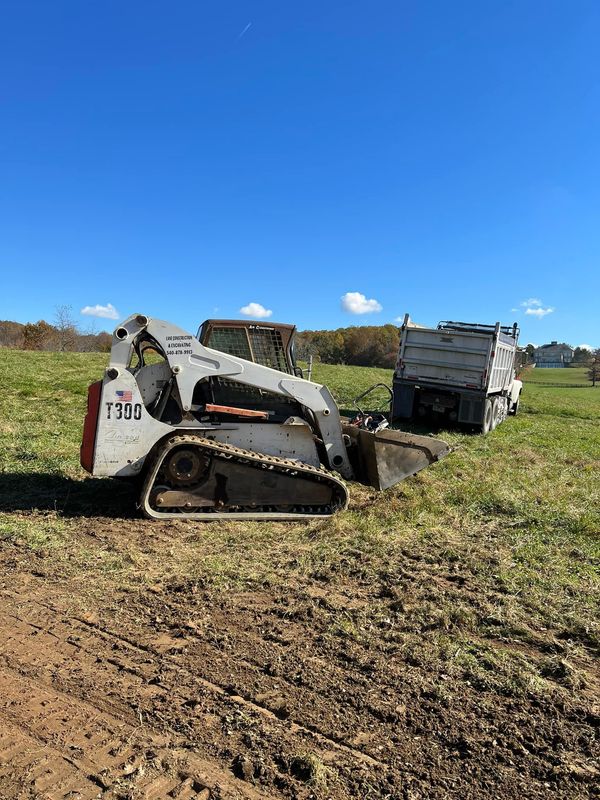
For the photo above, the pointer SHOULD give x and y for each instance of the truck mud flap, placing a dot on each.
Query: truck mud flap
(383, 459)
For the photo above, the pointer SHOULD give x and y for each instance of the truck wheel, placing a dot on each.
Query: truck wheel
(495, 414)
(494, 420)
(498, 411)
(488, 415)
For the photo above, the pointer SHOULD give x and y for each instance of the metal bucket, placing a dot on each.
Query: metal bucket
(388, 457)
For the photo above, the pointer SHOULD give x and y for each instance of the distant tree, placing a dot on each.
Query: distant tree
(66, 330)
(372, 345)
(11, 334)
(63, 336)
(103, 342)
(86, 343)
(39, 336)
(364, 345)
(93, 342)
(581, 355)
(522, 359)
(328, 345)
(530, 350)
(304, 348)
(593, 366)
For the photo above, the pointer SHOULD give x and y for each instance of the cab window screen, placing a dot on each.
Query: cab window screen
(268, 348)
(230, 340)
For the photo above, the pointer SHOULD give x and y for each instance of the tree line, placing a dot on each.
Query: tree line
(377, 346)
(581, 356)
(362, 346)
(62, 335)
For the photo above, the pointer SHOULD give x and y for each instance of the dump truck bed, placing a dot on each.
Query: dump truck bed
(453, 357)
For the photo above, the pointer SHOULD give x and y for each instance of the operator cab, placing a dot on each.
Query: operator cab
(269, 345)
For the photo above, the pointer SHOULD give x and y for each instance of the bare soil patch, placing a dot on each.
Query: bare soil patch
(298, 688)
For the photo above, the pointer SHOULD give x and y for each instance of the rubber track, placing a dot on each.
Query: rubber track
(257, 460)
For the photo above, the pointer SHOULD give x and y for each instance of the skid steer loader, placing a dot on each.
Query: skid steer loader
(231, 430)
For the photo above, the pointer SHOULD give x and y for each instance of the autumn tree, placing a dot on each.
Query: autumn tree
(361, 345)
(328, 346)
(93, 342)
(39, 336)
(304, 348)
(374, 345)
(11, 334)
(103, 342)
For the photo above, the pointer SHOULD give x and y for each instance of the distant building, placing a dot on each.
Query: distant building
(554, 354)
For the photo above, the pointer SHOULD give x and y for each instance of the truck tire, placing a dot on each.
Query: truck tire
(488, 415)
(494, 420)
(498, 411)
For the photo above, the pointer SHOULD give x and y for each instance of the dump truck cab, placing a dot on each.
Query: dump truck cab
(270, 345)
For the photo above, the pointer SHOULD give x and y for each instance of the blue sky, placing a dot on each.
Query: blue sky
(189, 159)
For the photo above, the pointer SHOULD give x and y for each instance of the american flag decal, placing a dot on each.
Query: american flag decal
(124, 395)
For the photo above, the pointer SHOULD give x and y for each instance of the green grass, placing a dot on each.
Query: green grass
(346, 383)
(566, 376)
(41, 409)
(500, 540)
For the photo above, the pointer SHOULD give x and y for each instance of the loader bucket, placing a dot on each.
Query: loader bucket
(388, 457)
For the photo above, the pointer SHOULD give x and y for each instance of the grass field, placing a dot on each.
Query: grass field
(471, 589)
(566, 376)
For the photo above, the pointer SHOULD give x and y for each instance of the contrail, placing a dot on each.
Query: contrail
(246, 29)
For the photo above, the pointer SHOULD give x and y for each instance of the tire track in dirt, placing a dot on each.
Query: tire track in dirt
(55, 744)
(470, 738)
(205, 654)
(81, 657)
(194, 673)
(139, 667)
(248, 700)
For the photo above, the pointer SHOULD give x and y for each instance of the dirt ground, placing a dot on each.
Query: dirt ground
(179, 690)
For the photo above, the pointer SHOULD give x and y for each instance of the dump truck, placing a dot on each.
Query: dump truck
(461, 372)
(231, 430)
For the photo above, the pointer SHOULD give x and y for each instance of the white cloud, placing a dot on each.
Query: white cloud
(357, 303)
(535, 308)
(106, 312)
(532, 302)
(255, 310)
(586, 347)
(538, 312)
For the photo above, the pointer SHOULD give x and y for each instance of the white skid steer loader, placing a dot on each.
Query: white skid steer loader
(217, 435)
